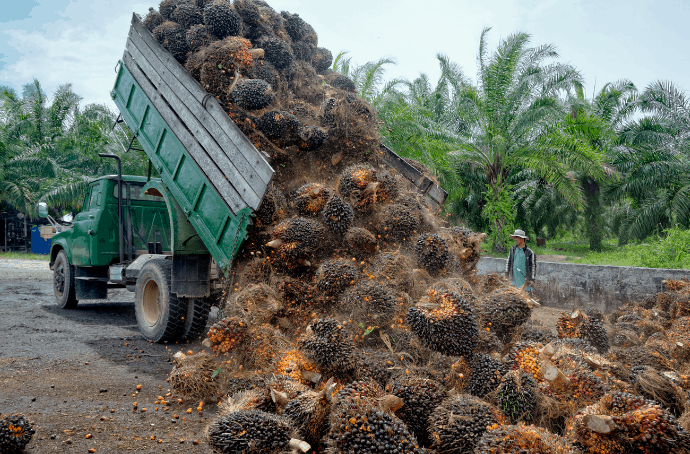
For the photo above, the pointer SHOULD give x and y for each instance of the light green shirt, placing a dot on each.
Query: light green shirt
(519, 269)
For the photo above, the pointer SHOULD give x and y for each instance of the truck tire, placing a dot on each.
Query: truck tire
(197, 317)
(160, 315)
(63, 282)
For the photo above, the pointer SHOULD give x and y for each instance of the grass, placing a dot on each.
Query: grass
(24, 256)
(669, 251)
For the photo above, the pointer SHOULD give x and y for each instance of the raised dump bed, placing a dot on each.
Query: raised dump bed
(212, 170)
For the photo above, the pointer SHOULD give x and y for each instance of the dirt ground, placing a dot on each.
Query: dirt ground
(75, 372)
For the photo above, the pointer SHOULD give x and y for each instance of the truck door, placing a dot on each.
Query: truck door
(83, 234)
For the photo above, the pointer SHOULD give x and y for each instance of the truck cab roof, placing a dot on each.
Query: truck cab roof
(127, 178)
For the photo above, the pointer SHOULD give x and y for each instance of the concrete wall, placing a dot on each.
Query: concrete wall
(602, 287)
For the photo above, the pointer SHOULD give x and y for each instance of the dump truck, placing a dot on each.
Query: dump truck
(171, 239)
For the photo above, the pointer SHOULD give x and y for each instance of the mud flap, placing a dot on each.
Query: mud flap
(91, 283)
(191, 275)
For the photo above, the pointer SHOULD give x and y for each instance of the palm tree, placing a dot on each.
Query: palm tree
(512, 120)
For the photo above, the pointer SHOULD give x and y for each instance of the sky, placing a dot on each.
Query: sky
(81, 41)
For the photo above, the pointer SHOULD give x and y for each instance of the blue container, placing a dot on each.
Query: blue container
(39, 245)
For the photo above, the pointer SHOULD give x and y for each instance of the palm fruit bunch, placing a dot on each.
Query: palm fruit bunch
(294, 365)
(166, 8)
(252, 94)
(298, 29)
(579, 345)
(221, 19)
(377, 365)
(529, 332)
(456, 285)
(278, 53)
(459, 422)
(525, 356)
(153, 19)
(504, 311)
(420, 397)
(566, 327)
(361, 242)
(432, 252)
(278, 126)
(522, 439)
(311, 198)
(622, 422)
(653, 385)
(309, 413)
(328, 346)
(485, 374)
(334, 275)
(322, 59)
(584, 389)
(338, 215)
(398, 222)
(174, 38)
(517, 396)
(371, 302)
(358, 184)
(449, 328)
(15, 433)
(593, 331)
(197, 37)
(295, 238)
(271, 207)
(489, 342)
(337, 80)
(187, 14)
(193, 376)
(311, 137)
(227, 334)
(252, 432)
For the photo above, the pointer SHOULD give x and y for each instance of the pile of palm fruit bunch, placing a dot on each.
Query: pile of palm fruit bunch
(353, 319)
(15, 433)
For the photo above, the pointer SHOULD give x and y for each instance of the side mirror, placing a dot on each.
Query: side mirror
(42, 210)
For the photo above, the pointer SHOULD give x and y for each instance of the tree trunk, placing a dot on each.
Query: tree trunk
(594, 220)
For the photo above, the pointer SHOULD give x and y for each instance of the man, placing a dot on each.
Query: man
(521, 267)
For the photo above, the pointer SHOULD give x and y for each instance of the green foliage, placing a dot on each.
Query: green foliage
(500, 215)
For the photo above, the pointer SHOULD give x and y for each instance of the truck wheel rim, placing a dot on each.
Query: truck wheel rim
(151, 304)
(60, 278)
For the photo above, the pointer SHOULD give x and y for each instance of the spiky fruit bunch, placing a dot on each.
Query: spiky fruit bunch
(585, 389)
(420, 396)
(356, 180)
(174, 38)
(458, 423)
(252, 94)
(221, 19)
(227, 334)
(622, 422)
(311, 137)
(535, 333)
(517, 396)
(653, 385)
(250, 432)
(504, 311)
(522, 439)
(489, 342)
(389, 187)
(525, 356)
(450, 328)
(187, 14)
(311, 198)
(214, 66)
(338, 215)
(15, 433)
(248, 11)
(277, 125)
(197, 37)
(309, 413)
(580, 345)
(593, 331)
(166, 8)
(566, 326)
(322, 59)
(377, 365)
(359, 425)
(298, 29)
(271, 206)
(278, 53)
(298, 236)
(153, 19)
(334, 275)
(361, 242)
(432, 252)
(370, 300)
(367, 389)
(398, 222)
(292, 364)
(328, 346)
(337, 80)
(485, 374)
(267, 72)
(193, 376)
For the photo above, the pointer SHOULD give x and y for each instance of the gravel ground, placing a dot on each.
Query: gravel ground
(75, 372)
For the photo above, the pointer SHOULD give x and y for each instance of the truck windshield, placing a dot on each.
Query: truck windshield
(135, 192)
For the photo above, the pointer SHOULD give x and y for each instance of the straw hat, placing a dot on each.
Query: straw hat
(520, 234)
